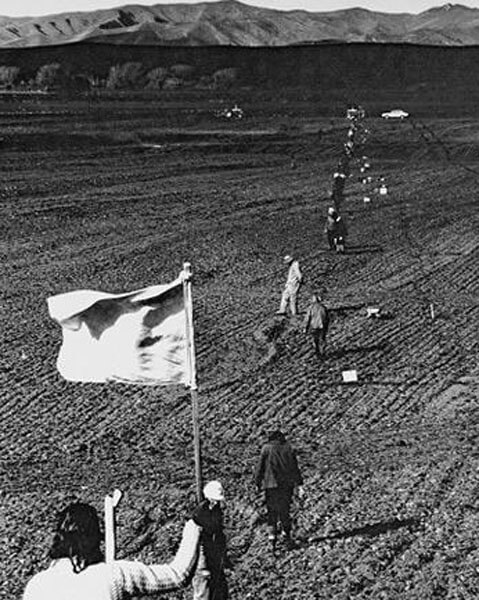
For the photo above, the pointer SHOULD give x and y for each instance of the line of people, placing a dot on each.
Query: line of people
(335, 228)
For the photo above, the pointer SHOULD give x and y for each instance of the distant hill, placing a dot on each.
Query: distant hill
(231, 23)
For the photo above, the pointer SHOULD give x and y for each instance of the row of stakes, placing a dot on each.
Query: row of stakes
(382, 189)
(351, 376)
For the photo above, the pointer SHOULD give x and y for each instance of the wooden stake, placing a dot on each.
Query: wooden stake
(191, 362)
(111, 502)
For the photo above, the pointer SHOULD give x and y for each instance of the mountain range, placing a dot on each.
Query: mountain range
(232, 23)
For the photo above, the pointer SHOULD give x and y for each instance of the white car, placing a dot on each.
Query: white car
(397, 113)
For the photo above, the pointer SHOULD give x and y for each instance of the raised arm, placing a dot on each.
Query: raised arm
(136, 579)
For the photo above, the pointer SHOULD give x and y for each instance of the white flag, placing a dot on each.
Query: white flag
(137, 337)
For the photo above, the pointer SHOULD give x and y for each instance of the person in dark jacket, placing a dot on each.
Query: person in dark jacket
(277, 472)
(339, 234)
(317, 323)
(335, 230)
(330, 226)
(209, 582)
(339, 180)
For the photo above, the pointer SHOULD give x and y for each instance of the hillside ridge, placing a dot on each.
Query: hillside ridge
(232, 23)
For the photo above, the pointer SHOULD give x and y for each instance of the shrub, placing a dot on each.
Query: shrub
(224, 78)
(185, 72)
(50, 76)
(130, 75)
(156, 77)
(8, 75)
(171, 83)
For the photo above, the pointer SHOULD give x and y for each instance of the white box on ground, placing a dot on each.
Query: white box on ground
(350, 376)
(372, 311)
(367, 199)
(383, 190)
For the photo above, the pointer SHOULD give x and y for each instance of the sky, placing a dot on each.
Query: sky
(16, 8)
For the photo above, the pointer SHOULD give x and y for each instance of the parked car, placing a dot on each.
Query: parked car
(230, 113)
(397, 113)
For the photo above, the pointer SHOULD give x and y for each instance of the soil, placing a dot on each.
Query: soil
(116, 196)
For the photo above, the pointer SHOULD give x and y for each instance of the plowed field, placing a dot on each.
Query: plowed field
(115, 196)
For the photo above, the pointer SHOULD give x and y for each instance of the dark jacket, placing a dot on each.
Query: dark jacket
(330, 223)
(317, 317)
(213, 538)
(277, 466)
(340, 228)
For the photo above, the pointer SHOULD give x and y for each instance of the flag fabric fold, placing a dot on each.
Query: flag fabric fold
(137, 337)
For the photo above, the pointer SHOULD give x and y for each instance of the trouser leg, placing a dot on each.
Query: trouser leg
(219, 586)
(284, 499)
(322, 341)
(201, 580)
(284, 301)
(315, 336)
(272, 508)
(330, 240)
(293, 302)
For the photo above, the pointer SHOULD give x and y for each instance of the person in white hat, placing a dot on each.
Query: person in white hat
(209, 582)
(291, 288)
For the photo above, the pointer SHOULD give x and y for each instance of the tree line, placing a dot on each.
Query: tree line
(125, 76)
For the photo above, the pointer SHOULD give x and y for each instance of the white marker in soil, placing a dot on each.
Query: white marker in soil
(350, 376)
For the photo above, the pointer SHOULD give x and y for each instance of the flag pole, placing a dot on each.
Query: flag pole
(191, 361)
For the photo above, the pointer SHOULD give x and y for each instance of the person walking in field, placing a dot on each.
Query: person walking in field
(78, 570)
(330, 227)
(317, 323)
(339, 234)
(339, 181)
(335, 230)
(277, 472)
(209, 582)
(291, 288)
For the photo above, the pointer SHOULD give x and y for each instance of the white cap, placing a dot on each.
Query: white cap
(288, 258)
(213, 490)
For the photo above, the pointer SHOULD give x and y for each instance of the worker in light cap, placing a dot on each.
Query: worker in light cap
(209, 582)
(337, 194)
(291, 288)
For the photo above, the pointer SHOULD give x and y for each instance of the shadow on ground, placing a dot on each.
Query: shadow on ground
(371, 530)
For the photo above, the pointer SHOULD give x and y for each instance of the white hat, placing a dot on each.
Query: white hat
(288, 258)
(213, 490)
